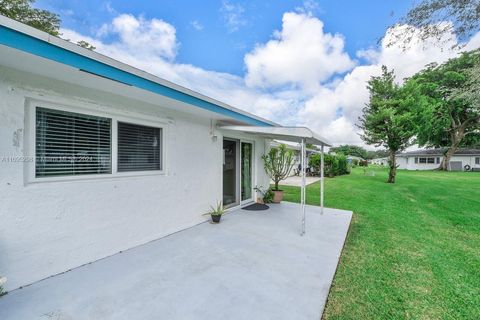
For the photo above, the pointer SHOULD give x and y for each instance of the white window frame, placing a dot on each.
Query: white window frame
(30, 138)
(254, 172)
(426, 160)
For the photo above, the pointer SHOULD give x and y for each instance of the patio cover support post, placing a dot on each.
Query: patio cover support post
(303, 190)
(322, 178)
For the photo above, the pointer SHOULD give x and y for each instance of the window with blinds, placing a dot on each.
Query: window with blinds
(139, 148)
(70, 143)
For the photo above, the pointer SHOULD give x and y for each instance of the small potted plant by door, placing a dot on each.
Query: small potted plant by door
(216, 212)
(2, 282)
(278, 164)
(267, 195)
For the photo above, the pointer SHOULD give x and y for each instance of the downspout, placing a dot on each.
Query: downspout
(322, 178)
(303, 191)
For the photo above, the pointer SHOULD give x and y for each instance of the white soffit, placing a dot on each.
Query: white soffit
(293, 134)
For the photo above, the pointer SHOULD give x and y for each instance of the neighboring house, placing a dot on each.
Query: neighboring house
(296, 148)
(350, 159)
(380, 161)
(97, 157)
(429, 159)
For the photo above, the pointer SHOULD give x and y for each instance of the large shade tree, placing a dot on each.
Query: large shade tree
(350, 150)
(386, 120)
(440, 20)
(446, 104)
(23, 11)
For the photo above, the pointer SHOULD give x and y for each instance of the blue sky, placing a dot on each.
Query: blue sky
(208, 41)
(294, 62)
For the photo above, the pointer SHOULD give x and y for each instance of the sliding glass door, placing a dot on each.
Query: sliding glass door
(231, 172)
(246, 170)
(237, 172)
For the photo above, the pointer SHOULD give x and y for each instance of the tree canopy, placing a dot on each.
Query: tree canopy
(387, 120)
(372, 154)
(440, 19)
(350, 150)
(24, 12)
(446, 104)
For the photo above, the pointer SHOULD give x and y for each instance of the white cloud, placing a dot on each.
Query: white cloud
(309, 7)
(140, 36)
(301, 54)
(196, 25)
(318, 85)
(233, 15)
(349, 94)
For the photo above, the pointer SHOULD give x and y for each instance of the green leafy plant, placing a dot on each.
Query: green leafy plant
(2, 281)
(267, 194)
(216, 211)
(335, 165)
(278, 164)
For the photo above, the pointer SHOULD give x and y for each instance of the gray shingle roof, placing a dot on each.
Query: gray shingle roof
(439, 152)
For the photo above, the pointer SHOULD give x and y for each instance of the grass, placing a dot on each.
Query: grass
(413, 248)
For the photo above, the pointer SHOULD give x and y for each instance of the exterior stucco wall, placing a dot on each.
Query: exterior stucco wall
(411, 165)
(50, 227)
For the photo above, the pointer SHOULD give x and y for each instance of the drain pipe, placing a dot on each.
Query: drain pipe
(322, 178)
(303, 190)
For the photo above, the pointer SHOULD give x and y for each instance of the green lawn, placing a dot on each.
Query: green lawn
(413, 249)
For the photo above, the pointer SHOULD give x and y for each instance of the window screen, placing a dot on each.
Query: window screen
(477, 160)
(139, 148)
(70, 143)
(422, 160)
(430, 160)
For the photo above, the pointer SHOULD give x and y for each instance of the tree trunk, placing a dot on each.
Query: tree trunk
(392, 162)
(455, 138)
(276, 184)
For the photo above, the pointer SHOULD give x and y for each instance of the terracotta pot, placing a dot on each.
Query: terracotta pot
(260, 200)
(277, 196)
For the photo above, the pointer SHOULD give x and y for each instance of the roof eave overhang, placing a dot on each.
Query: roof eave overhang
(30, 40)
(292, 134)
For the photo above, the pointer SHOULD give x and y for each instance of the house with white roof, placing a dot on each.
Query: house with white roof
(429, 159)
(97, 157)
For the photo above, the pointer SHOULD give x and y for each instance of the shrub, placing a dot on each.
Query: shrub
(341, 165)
(278, 164)
(363, 163)
(267, 194)
(335, 165)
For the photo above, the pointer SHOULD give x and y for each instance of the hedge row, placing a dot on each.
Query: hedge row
(335, 165)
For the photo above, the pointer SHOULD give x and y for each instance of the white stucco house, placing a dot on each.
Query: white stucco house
(379, 161)
(97, 156)
(429, 159)
(351, 159)
(296, 148)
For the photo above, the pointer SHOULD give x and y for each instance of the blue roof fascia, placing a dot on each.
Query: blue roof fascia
(32, 45)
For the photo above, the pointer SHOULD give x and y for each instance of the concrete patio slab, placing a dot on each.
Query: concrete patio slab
(296, 181)
(254, 265)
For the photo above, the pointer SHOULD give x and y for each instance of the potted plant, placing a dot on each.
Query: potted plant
(278, 164)
(216, 212)
(267, 195)
(2, 282)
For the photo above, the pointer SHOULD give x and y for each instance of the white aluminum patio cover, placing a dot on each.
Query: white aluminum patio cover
(302, 135)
